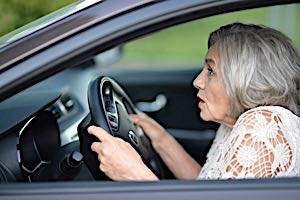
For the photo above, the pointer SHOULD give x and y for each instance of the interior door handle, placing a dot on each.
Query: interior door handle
(159, 103)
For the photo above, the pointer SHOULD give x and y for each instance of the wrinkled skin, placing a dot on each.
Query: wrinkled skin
(214, 101)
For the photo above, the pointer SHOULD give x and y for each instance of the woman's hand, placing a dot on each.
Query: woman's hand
(118, 160)
(171, 152)
(152, 129)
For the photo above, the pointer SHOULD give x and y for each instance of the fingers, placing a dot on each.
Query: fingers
(96, 146)
(139, 115)
(139, 119)
(142, 115)
(100, 133)
(134, 118)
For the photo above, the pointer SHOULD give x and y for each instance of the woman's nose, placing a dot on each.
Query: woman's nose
(199, 82)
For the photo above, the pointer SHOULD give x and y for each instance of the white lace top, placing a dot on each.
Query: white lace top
(264, 142)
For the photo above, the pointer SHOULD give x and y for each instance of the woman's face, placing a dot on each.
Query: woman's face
(213, 99)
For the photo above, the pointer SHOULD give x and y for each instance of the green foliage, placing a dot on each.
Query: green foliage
(16, 13)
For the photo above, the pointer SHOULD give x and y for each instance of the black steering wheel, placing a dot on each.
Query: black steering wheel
(110, 107)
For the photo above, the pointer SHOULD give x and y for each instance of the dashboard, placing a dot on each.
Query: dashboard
(38, 129)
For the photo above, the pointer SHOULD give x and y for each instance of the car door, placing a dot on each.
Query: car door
(92, 38)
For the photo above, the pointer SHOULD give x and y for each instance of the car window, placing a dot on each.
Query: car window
(185, 46)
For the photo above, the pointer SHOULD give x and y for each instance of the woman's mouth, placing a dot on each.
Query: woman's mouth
(201, 102)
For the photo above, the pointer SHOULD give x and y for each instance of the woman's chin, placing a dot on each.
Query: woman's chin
(204, 117)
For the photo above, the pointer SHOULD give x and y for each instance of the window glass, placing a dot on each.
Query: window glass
(17, 15)
(185, 46)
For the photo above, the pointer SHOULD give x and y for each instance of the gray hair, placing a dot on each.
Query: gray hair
(259, 66)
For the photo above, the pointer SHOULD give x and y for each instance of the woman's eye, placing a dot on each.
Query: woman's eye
(210, 71)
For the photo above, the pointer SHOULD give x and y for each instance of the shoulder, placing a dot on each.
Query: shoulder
(268, 124)
(268, 134)
(266, 116)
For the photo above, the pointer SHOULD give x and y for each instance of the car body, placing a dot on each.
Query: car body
(47, 67)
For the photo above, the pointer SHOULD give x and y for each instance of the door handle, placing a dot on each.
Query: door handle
(153, 106)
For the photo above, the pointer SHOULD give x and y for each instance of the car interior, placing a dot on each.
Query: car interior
(43, 133)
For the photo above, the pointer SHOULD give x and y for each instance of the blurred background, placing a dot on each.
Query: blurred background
(16, 13)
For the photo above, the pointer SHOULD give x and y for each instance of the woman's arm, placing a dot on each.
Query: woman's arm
(182, 165)
(119, 161)
(177, 159)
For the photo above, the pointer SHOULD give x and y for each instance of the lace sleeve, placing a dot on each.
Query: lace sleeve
(258, 147)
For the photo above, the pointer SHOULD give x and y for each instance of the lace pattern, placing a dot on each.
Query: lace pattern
(262, 143)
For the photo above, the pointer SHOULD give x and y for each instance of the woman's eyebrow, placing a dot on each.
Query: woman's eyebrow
(209, 61)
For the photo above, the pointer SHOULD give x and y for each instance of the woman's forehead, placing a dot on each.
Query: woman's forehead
(212, 55)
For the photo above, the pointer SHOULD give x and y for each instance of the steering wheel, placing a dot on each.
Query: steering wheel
(110, 107)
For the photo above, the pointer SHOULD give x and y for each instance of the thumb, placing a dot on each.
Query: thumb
(100, 133)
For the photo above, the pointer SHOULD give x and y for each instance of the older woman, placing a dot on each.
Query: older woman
(250, 85)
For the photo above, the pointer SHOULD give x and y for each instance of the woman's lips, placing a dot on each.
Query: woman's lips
(201, 102)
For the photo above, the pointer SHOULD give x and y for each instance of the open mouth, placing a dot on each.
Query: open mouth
(201, 102)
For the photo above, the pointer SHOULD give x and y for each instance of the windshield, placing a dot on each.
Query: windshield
(45, 21)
